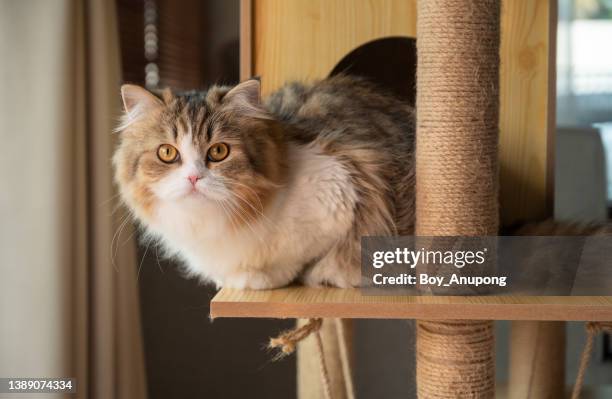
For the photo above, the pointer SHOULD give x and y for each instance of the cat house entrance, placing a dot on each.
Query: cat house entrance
(388, 62)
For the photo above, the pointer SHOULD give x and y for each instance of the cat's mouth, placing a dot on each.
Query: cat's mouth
(198, 193)
(195, 192)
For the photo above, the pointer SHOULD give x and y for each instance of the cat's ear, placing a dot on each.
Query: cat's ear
(246, 99)
(137, 99)
(247, 92)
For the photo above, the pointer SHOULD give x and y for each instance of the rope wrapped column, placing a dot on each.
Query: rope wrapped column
(457, 174)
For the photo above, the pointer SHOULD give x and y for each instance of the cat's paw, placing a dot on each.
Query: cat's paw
(252, 281)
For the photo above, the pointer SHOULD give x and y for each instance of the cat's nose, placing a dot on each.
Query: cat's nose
(193, 179)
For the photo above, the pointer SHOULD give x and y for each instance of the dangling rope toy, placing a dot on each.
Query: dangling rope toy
(287, 343)
(593, 328)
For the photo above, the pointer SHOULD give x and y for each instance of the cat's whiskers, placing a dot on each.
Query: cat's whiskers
(142, 259)
(117, 207)
(263, 216)
(260, 211)
(235, 182)
(129, 237)
(244, 216)
(227, 214)
(231, 214)
(237, 210)
(157, 259)
(112, 197)
(114, 247)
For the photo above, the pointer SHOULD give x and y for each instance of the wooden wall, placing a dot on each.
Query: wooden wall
(287, 39)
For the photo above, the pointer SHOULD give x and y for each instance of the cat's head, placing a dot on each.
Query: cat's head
(217, 155)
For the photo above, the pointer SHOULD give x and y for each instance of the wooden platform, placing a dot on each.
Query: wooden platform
(302, 302)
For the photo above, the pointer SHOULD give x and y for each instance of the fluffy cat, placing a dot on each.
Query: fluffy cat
(258, 194)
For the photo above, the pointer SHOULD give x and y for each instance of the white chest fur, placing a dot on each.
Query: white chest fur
(307, 216)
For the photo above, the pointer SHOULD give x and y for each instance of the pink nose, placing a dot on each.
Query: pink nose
(193, 179)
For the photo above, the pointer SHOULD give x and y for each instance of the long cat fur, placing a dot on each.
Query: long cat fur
(311, 169)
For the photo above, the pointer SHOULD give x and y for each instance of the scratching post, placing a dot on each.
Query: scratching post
(457, 174)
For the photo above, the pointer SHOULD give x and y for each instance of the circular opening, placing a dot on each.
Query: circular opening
(389, 62)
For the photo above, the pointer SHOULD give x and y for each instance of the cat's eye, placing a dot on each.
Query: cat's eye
(167, 153)
(218, 152)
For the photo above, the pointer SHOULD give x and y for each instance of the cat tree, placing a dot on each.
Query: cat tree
(292, 39)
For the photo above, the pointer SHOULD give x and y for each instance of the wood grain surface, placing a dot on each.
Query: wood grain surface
(304, 40)
(304, 302)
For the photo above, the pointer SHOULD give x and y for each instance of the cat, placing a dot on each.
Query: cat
(255, 193)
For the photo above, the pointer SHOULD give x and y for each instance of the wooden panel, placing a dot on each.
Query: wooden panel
(527, 123)
(527, 101)
(304, 302)
(304, 40)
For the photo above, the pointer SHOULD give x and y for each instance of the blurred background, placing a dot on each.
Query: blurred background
(139, 329)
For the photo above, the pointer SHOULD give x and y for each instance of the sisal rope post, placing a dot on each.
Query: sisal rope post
(457, 174)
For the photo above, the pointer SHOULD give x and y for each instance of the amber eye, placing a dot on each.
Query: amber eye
(167, 153)
(218, 152)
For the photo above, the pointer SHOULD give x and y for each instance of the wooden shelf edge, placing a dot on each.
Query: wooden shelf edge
(302, 302)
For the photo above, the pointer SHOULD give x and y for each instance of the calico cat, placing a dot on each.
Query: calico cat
(253, 193)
